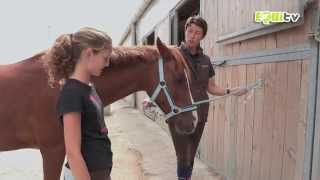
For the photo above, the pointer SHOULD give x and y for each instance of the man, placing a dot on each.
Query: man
(195, 31)
(202, 82)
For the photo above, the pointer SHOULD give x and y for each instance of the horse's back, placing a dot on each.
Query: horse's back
(27, 108)
(19, 79)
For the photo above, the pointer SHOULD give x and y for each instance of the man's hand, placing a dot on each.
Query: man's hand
(238, 91)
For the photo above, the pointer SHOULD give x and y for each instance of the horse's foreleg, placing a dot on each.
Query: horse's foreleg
(53, 158)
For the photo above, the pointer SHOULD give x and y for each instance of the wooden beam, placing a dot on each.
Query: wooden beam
(255, 31)
(299, 52)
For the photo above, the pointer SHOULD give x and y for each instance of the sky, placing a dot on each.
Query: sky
(28, 27)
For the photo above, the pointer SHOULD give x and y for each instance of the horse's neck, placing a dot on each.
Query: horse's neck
(119, 82)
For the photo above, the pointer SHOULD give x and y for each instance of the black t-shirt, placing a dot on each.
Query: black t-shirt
(77, 96)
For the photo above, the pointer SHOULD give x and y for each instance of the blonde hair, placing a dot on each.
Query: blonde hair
(62, 57)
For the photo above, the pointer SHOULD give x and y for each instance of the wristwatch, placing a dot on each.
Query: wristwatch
(227, 91)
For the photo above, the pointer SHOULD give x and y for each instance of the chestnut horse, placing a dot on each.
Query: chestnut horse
(27, 110)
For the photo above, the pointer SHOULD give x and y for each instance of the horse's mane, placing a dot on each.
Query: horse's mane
(130, 55)
(123, 56)
(145, 54)
(181, 61)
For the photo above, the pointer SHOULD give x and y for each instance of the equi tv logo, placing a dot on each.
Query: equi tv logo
(267, 17)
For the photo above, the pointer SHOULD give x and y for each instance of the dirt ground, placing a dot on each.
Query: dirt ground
(142, 151)
(127, 161)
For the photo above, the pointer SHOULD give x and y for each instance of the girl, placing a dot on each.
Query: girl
(74, 59)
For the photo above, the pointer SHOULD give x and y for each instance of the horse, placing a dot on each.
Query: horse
(28, 104)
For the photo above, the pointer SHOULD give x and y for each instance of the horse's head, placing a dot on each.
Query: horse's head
(175, 73)
(134, 69)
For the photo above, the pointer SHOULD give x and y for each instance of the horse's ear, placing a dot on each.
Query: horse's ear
(166, 53)
(163, 49)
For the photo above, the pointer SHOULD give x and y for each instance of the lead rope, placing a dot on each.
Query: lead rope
(258, 84)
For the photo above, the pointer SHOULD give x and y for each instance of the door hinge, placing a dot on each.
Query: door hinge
(315, 35)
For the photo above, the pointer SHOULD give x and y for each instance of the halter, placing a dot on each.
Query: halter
(175, 110)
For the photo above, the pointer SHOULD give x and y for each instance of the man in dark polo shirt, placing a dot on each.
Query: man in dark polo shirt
(202, 79)
(195, 31)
